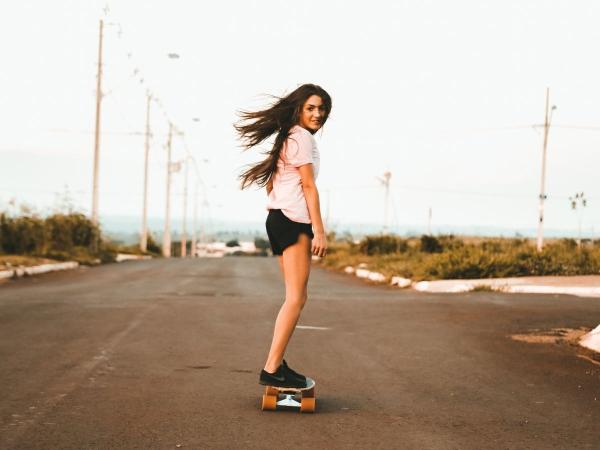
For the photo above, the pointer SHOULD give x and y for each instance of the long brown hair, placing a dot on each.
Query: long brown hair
(256, 126)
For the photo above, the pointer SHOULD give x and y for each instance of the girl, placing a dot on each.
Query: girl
(289, 174)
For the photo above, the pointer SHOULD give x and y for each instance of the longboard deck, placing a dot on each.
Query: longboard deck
(307, 403)
(310, 384)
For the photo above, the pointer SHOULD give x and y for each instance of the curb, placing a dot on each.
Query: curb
(35, 270)
(508, 285)
(591, 340)
(503, 285)
(129, 257)
(22, 271)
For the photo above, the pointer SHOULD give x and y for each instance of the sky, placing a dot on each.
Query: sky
(447, 96)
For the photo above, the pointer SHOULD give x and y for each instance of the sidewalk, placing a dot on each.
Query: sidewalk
(35, 270)
(20, 271)
(583, 286)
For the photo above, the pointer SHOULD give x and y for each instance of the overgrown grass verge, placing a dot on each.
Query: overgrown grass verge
(26, 240)
(449, 257)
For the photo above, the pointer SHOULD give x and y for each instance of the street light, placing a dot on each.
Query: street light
(542, 197)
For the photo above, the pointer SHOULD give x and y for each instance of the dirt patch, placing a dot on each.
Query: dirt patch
(552, 336)
(569, 336)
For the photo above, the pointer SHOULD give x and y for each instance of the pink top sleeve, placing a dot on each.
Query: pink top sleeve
(299, 150)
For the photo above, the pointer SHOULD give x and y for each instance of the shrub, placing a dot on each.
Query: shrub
(59, 236)
(66, 231)
(152, 246)
(382, 245)
(261, 244)
(107, 252)
(471, 258)
(430, 244)
(23, 235)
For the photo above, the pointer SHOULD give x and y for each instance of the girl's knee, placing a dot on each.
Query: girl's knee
(297, 301)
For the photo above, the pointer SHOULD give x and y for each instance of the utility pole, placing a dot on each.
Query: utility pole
(429, 222)
(203, 214)
(97, 132)
(578, 200)
(386, 183)
(166, 245)
(184, 230)
(195, 219)
(543, 196)
(144, 238)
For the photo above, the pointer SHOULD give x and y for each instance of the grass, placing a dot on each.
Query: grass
(449, 257)
(482, 288)
(8, 261)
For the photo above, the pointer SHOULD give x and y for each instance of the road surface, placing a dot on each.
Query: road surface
(165, 354)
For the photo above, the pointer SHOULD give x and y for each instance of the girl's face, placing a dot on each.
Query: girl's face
(312, 114)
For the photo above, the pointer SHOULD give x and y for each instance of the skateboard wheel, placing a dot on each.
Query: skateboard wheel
(308, 404)
(269, 402)
(271, 391)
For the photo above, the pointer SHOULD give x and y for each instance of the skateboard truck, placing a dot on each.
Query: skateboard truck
(307, 403)
(289, 401)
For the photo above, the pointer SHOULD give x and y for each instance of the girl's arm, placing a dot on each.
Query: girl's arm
(311, 194)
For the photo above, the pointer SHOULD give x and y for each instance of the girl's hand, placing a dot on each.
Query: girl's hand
(319, 244)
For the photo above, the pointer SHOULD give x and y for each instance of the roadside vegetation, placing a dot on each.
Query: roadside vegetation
(30, 239)
(450, 257)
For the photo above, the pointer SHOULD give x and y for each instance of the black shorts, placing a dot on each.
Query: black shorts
(284, 232)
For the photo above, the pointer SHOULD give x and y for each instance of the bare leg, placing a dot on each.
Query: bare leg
(295, 264)
(280, 259)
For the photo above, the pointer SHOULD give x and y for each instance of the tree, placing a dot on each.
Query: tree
(261, 243)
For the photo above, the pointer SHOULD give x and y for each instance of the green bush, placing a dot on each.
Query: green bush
(261, 244)
(25, 235)
(382, 245)
(70, 230)
(59, 236)
(450, 242)
(107, 252)
(152, 246)
(498, 258)
(466, 258)
(429, 244)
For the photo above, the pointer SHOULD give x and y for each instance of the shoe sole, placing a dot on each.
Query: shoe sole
(310, 383)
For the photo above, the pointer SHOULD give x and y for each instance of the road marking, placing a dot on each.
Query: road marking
(309, 327)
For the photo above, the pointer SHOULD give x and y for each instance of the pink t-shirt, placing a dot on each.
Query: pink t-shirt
(299, 148)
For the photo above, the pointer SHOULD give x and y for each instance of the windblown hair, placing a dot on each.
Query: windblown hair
(256, 126)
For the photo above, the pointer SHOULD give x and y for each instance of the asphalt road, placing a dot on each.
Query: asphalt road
(166, 354)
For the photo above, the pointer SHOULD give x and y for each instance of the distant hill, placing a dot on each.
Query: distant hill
(126, 229)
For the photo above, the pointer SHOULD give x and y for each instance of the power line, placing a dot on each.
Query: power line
(446, 191)
(574, 127)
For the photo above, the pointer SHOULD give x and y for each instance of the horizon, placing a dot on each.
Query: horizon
(127, 225)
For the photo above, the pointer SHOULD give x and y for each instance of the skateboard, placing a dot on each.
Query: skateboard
(271, 398)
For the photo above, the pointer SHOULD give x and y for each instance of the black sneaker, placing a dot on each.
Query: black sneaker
(281, 378)
(293, 372)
